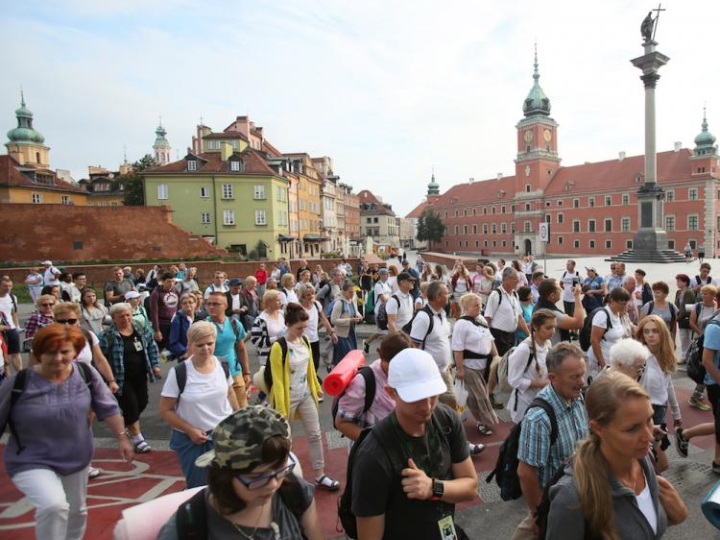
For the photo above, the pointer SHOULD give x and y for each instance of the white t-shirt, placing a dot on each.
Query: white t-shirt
(477, 339)
(403, 310)
(50, 277)
(612, 336)
(461, 286)
(647, 507)
(504, 313)
(659, 385)
(85, 355)
(392, 281)
(214, 288)
(437, 342)
(287, 296)
(313, 323)
(7, 307)
(520, 378)
(567, 285)
(381, 289)
(203, 403)
(299, 359)
(235, 301)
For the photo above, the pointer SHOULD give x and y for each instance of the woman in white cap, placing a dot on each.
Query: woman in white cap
(252, 491)
(139, 313)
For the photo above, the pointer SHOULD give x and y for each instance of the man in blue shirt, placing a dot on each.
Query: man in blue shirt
(230, 344)
(538, 459)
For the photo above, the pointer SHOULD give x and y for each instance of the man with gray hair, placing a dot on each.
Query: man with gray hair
(629, 283)
(553, 424)
(332, 289)
(504, 313)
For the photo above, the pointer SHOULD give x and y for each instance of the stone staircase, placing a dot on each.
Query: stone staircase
(663, 256)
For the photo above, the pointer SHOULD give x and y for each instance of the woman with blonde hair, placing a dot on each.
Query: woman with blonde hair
(42, 316)
(610, 487)
(269, 325)
(460, 285)
(287, 289)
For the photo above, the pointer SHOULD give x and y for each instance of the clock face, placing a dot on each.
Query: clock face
(528, 136)
(547, 134)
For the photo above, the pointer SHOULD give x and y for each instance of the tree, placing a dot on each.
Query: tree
(430, 227)
(134, 193)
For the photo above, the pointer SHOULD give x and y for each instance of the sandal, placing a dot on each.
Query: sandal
(142, 447)
(483, 429)
(325, 482)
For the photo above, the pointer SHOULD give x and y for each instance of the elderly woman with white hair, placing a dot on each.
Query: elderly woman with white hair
(207, 399)
(628, 357)
(133, 356)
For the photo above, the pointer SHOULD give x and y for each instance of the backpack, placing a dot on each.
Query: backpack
(504, 368)
(695, 368)
(19, 386)
(181, 375)
(267, 372)
(699, 282)
(584, 337)
(505, 471)
(370, 388)
(408, 327)
(382, 317)
(673, 310)
(191, 516)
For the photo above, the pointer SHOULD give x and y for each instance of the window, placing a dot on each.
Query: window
(591, 244)
(608, 244)
(192, 165)
(36, 198)
(693, 243)
(528, 227)
(504, 243)
(494, 228)
(576, 244)
(260, 218)
(576, 203)
(527, 188)
(485, 228)
(548, 204)
(474, 210)
(625, 199)
(625, 224)
(227, 191)
(591, 225)
(560, 240)
(608, 225)
(560, 202)
(693, 222)
(503, 228)
(205, 218)
(465, 229)
(493, 209)
(561, 218)
(512, 227)
(477, 243)
(671, 244)
(235, 166)
(484, 211)
(228, 217)
(629, 244)
(65, 199)
(259, 192)
(693, 194)
(608, 200)
(576, 225)
(591, 202)
(204, 192)
(494, 243)
(548, 218)
(77, 244)
(457, 230)
(527, 207)
(502, 209)
(162, 191)
(475, 230)
(670, 195)
(669, 223)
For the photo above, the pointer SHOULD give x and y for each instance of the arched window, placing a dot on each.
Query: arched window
(527, 188)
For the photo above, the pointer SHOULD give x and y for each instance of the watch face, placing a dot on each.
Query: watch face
(528, 136)
(548, 135)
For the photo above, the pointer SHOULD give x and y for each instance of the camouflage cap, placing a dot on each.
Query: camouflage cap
(238, 440)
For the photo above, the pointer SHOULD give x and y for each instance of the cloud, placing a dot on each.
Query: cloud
(388, 89)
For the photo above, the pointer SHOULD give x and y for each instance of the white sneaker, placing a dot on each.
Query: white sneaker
(93, 472)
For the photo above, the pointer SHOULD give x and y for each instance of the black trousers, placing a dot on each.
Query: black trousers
(134, 397)
(569, 311)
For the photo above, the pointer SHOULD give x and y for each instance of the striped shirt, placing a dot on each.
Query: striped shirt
(534, 447)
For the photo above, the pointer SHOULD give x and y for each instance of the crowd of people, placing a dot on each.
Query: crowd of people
(588, 362)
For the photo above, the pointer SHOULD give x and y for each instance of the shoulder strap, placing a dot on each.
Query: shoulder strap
(283, 347)
(397, 299)
(545, 406)
(651, 306)
(370, 387)
(85, 373)
(236, 329)
(181, 377)
(19, 386)
(191, 518)
(318, 306)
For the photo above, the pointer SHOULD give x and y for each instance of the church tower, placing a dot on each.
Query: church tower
(537, 158)
(161, 146)
(433, 191)
(706, 151)
(25, 144)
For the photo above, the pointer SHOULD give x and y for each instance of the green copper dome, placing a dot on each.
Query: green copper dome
(537, 103)
(705, 138)
(433, 186)
(160, 139)
(24, 133)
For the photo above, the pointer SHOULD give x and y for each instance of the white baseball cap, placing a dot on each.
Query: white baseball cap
(132, 294)
(47, 263)
(414, 375)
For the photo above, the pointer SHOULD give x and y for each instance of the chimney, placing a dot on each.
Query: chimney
(678, 146)
(499, 176)
(471, 180)
(621, 156)
(226, 150)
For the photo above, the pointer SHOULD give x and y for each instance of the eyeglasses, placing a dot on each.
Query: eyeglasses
(260, 482)
(66, 321)
(48, 305)
(640, 370)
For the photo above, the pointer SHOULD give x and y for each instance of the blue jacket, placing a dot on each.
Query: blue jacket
(177, 344)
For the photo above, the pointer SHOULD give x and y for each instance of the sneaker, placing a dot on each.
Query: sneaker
(483, 429)
(716, 467)
(93, 472)
(142, 447)
(366, 347)
(475, 449)
(681, 443)
(698, 403)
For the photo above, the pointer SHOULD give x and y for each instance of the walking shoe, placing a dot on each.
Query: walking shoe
(716, 467)
(475, 449)
(698, 403)
(483, 429)
(93, 472)
(142, 447)
(366, 347)
(681, 443)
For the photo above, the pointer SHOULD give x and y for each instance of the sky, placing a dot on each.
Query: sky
(389, 89)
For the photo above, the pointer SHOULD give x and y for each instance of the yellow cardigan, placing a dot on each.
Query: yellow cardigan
(280, 391)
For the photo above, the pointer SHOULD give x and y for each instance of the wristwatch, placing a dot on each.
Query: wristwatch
(438, 490)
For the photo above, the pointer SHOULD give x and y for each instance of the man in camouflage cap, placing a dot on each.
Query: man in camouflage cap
(239, 439)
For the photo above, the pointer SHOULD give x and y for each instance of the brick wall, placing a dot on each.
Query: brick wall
(60, 232)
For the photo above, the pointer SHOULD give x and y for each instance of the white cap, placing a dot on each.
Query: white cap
(132, 294)
(47, 263)
(414, 375)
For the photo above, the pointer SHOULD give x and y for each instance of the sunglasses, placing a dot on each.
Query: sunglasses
(66, 321)
(260, 482)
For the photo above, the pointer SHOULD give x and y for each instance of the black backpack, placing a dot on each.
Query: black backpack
(695, 368)
(370, 388)
(408, 327)
(586, 330)
(505, 471)
(191, 516)
(19, 386)
(382, 318)
(267, 373)
(181, 375)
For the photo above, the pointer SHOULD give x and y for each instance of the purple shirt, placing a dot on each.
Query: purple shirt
(351, 405)
(51, 421)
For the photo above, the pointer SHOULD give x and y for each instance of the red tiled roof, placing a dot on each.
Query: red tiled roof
(226, 135)
(270, 149)
(616, 174)
(419, 209)
(254, 164)
(483, 191)
(366, 196)
(10, 175)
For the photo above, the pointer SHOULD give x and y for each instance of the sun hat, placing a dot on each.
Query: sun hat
(414, 375)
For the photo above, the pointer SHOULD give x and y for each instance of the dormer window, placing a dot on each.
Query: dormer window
(235, 166)
(192, 165)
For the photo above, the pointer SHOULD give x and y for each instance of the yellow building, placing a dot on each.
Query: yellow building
(25, 176)
(308, 204)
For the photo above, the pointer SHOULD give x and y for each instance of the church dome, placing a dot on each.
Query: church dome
(705, 138)
(24, 133)
(536, 103)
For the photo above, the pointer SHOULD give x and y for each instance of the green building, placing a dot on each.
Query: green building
(228, 194)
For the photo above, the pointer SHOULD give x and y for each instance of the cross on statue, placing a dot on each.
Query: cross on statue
(648, 28)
